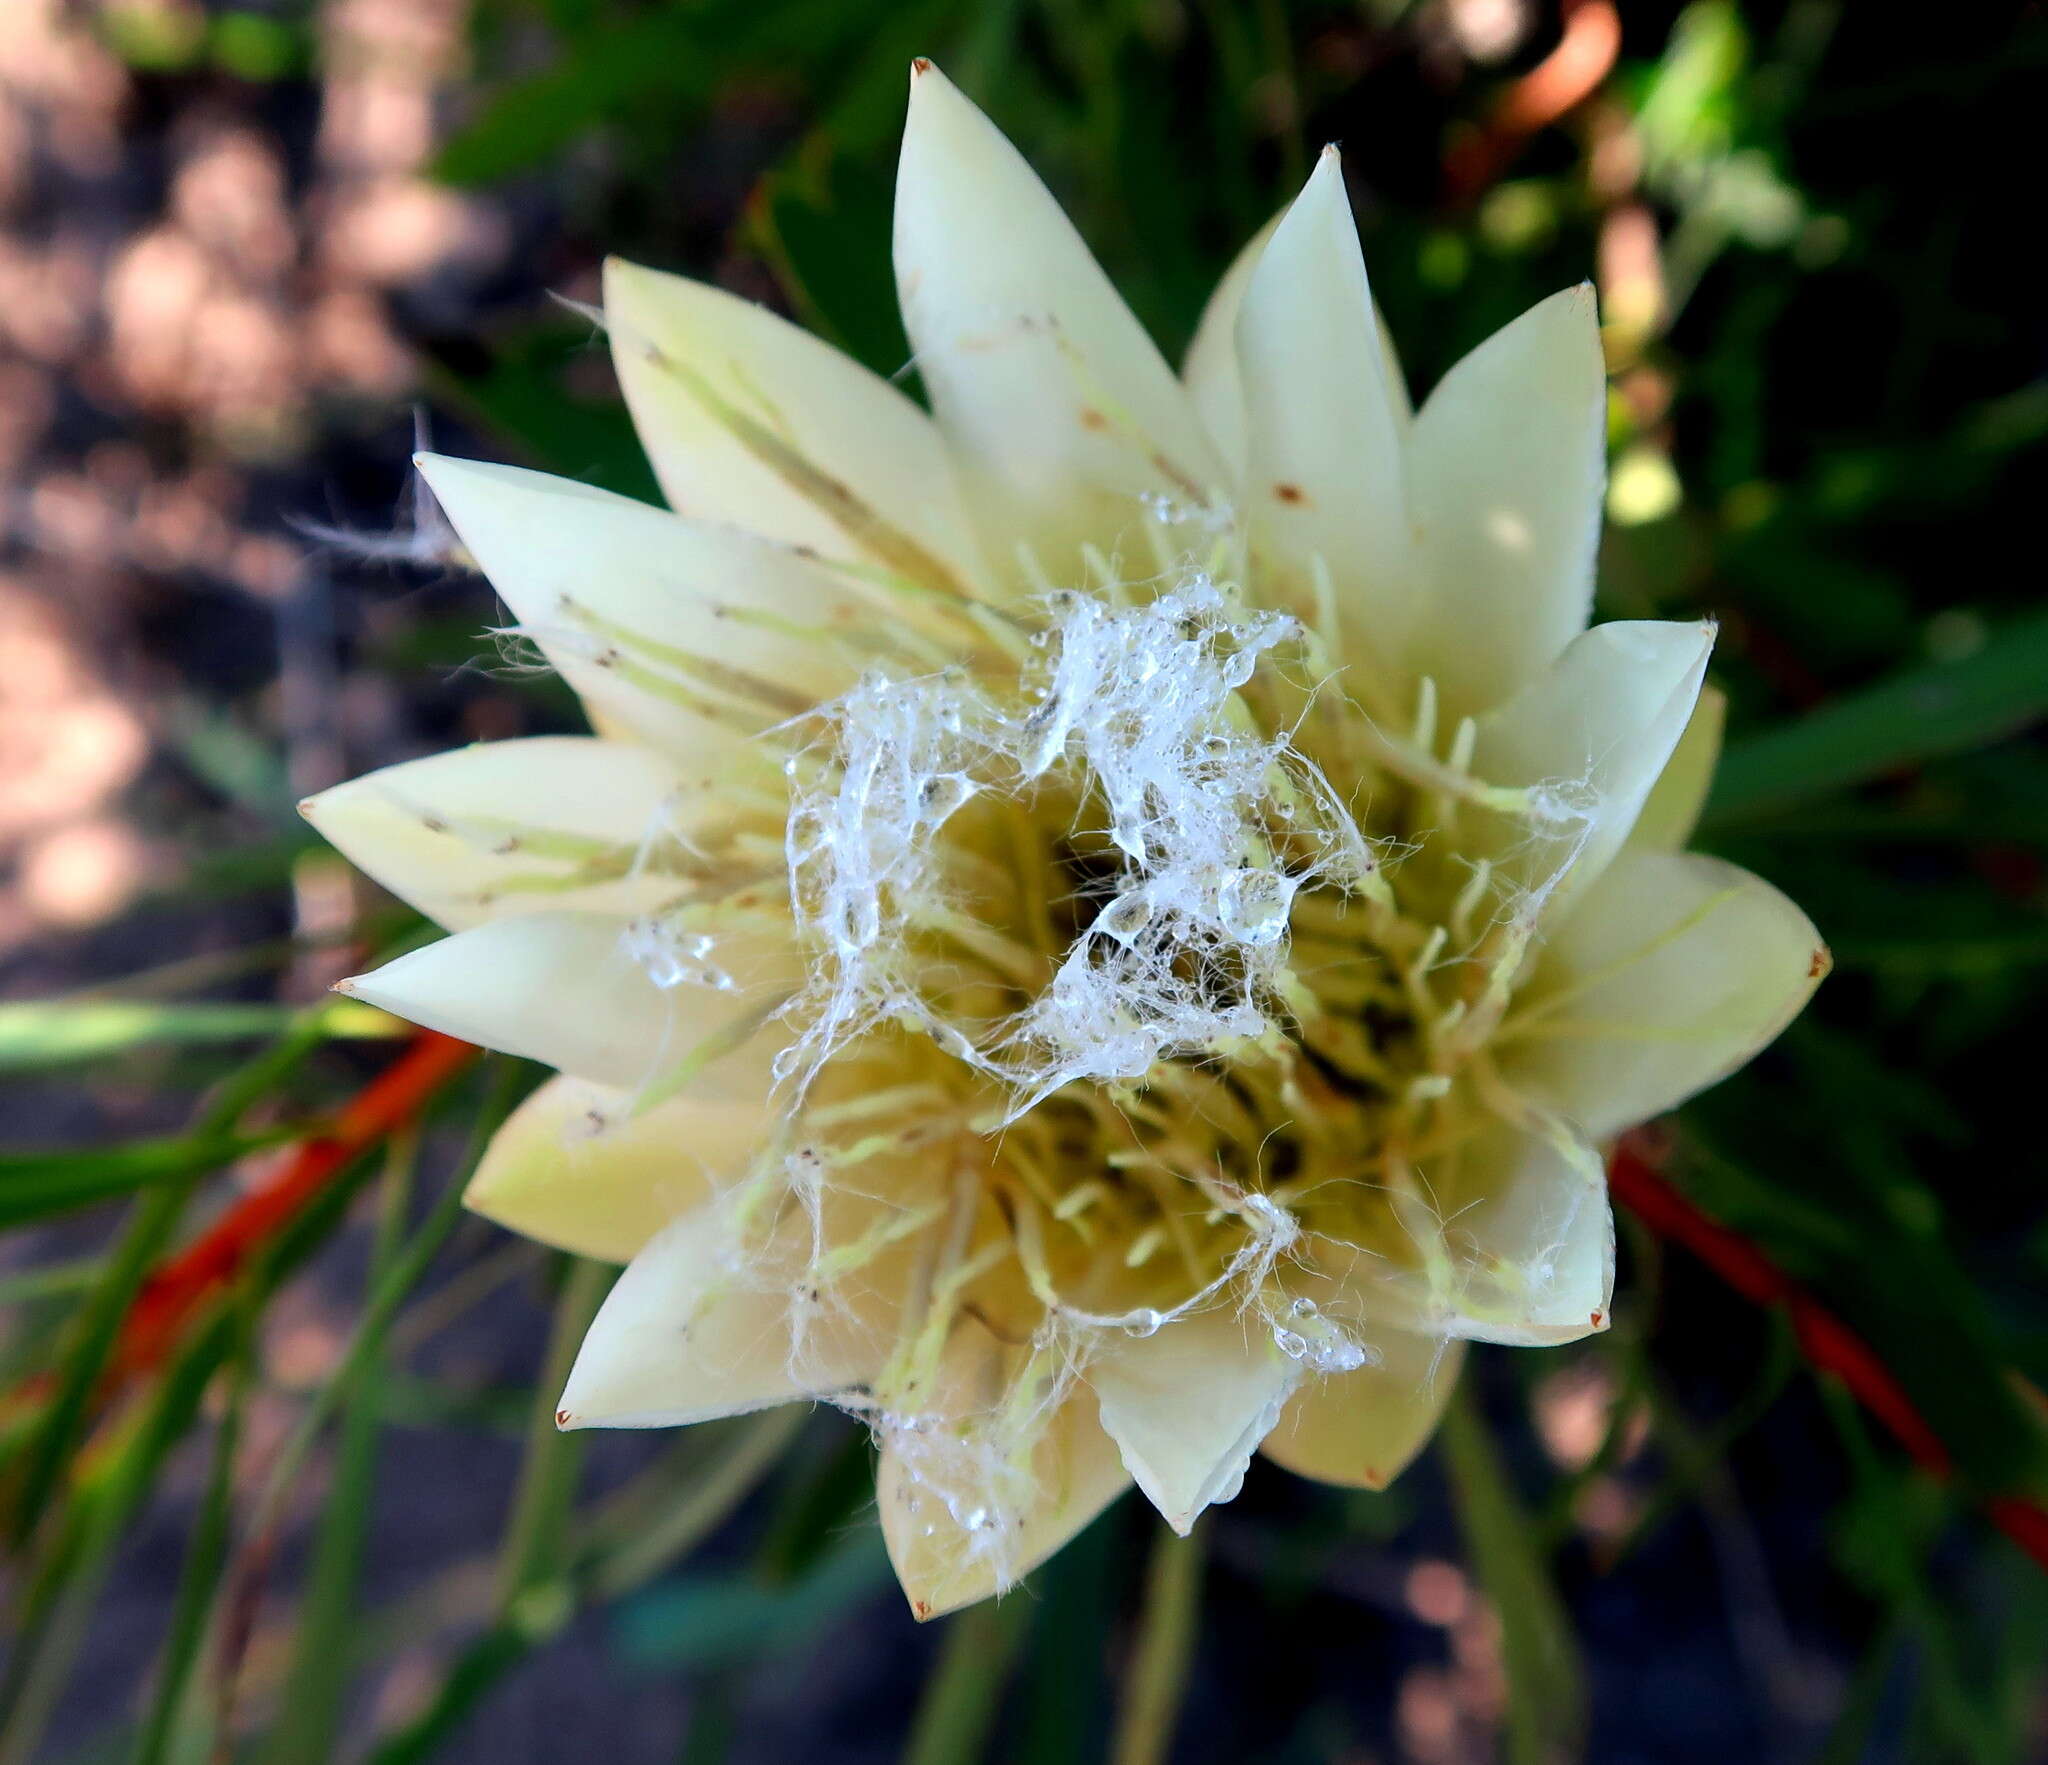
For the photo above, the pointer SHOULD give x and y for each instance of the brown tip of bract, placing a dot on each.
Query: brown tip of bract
(920, 64)
(563, 1419)
(921, 1610)
(346, 987)
(1332, 151)
(305, 807)
(1823, 961)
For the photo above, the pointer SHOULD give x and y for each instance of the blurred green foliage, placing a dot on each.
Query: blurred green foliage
(1829, 424)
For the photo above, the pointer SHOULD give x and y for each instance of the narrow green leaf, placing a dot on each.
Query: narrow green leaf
(92, 1337)
(1546, 1684)
(535, 1551)
(636, 1540)
(41, 1034)
(1157, 1678)
(74, 1556)
(639, 1540)
(310, 1706)
(1919, 715)
(34, 1185)
(1065, 1697)
(387, 1295)
(958, 1710)
(199, 1580)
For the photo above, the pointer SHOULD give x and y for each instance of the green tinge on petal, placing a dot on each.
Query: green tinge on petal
(1669, 973)
(1515, 1236)
(575, 1167)
(1672, 809)
(509, 827)
(1586, 740)
(666, 626)
(750, 420)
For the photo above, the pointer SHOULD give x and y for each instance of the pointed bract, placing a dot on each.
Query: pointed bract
(662, 623)
(515, 827)
(1507, 466)
(953, 1539)
(750, 421)
(1589, 737)
(1188, 1405)
(575, 991)
(1670, 972)
(1060, 410)
(706, 1323)
(1325, 484)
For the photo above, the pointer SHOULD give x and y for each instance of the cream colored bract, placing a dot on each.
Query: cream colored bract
(1102, 928)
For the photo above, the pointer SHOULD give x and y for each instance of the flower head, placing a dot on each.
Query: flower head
(1102, 928)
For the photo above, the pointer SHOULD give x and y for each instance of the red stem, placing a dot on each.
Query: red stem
(1563, 80)
(1828, 1344)
(178, 1287)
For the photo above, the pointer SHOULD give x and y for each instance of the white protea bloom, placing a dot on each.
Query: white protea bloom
(1102, 929)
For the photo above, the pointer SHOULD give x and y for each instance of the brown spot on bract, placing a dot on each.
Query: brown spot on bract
(562, 1418)
(1291, 493)
(1821, 963)
(1091, 418)
(920, 1610)
(1596, 1320)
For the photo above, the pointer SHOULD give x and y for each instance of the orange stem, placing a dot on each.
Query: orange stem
(1828, 1344)
(1563, 80)
(179, 1286)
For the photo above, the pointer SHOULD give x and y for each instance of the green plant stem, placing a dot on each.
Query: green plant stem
(387, 1296)
(75, 1561)
(535, 1548)
(1158, 1675)
(199, 1579)
(151, 1222)
(545, 1608)
(620, 1557)
(965, 1686)
(309, 1713)
(1546, 1684)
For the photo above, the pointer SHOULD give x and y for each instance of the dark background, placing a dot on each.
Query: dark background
(243, 249)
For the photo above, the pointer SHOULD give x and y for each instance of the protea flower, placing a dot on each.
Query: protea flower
(1102, 929)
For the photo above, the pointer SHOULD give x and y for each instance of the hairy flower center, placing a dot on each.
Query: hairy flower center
(1155, 952)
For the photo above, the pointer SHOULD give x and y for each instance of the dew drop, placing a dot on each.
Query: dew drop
(1126, 916)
